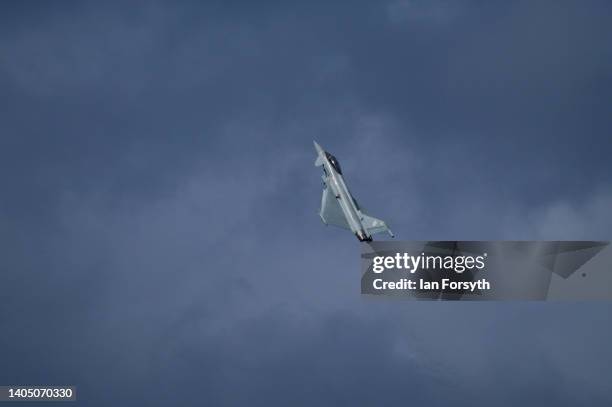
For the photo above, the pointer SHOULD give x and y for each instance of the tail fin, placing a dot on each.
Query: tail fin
(374, 225)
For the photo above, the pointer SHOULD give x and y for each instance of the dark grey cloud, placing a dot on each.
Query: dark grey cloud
(159, 207)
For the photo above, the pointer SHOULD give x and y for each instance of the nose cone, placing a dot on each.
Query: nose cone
(318, 147)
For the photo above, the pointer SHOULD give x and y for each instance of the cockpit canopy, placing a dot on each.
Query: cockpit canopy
(334, 162)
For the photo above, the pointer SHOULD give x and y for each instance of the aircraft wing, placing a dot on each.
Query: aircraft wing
(331, 213)
(374, 225)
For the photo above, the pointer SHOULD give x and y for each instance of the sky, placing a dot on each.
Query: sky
(161, 243)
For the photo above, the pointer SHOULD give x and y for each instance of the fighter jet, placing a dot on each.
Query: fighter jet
(338, 207)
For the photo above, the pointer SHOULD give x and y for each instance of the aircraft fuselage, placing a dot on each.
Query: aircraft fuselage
(334, 180)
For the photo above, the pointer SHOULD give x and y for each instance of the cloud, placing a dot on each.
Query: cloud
(160, 218)
(585, 218)
(422, 12)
